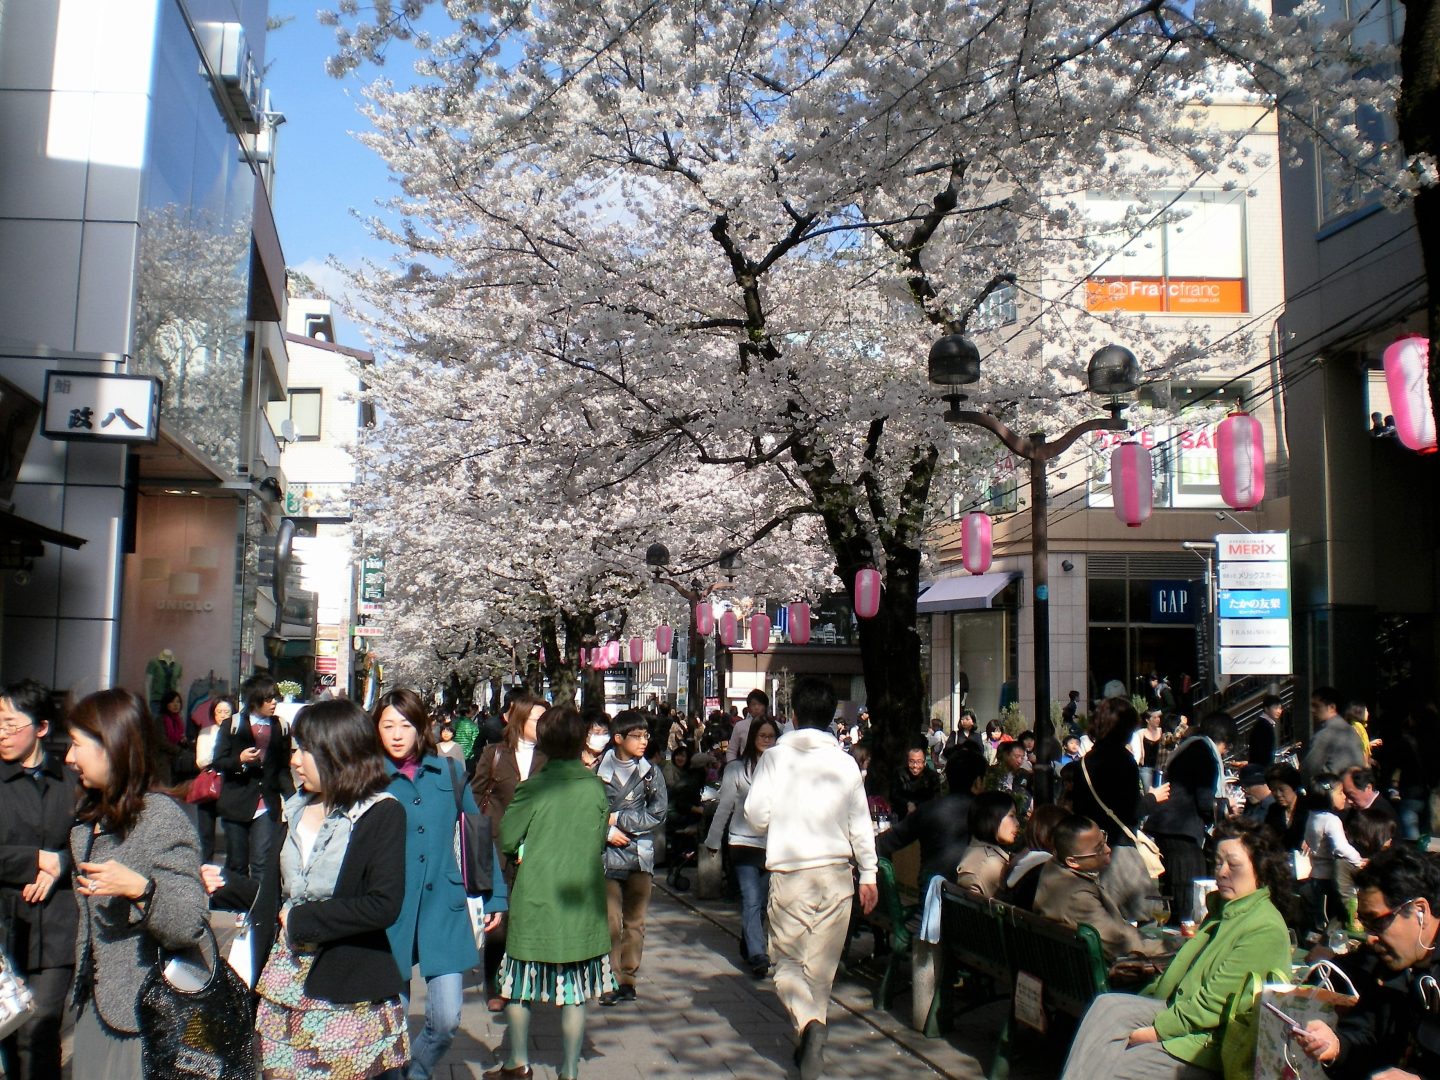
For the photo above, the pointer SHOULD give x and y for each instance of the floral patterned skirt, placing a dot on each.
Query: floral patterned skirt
(302, 1038)
(559, 984)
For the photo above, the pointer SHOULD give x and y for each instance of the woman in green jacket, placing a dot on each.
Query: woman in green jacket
(558, 946)
(1176, 1027)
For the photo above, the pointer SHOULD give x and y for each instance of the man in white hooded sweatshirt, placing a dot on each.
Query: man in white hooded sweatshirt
(808, 800)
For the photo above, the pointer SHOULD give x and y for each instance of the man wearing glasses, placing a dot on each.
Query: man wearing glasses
(1069, 892)
(638, 799)
(1394, 1032)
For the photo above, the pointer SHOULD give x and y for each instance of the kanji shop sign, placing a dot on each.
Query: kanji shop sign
(102, 408)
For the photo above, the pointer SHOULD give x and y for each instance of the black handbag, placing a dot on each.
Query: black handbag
(472, 840)
(202, 1034)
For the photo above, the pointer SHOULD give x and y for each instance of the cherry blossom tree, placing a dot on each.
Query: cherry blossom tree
(725, 238)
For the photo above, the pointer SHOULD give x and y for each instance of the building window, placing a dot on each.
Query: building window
(996, 310)
(305, 414)
(1183, 255)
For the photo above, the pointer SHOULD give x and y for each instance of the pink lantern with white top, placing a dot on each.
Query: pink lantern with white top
(584, 655)
(664, 638)
(799, 615)
(637, 649)
(867, 593)
(1240, 443)
(759, 633)
(976, 545)
(704, 618)
(612, 652)
(1407, 374)
(729, 629)
(1132, 481)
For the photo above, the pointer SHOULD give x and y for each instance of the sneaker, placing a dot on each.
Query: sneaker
(627, 992)
(610, 998)
(759, 967)
(810, 1054)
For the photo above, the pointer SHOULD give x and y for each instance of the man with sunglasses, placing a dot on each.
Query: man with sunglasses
(1394, 1032)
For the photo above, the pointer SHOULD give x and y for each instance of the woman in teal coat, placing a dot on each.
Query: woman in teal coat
(557, 945)
(1177, 1028)
(434, 929)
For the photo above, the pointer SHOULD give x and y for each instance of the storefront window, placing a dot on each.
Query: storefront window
(979, 641)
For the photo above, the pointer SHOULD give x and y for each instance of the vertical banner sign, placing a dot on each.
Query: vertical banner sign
(1253, 603)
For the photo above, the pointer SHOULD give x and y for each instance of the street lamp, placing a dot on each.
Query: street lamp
(1113, 373)
(657, 558)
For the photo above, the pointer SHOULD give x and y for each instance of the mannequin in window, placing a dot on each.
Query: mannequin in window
(162, 676)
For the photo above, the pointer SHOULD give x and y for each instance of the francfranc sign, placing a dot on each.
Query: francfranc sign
(196, 606)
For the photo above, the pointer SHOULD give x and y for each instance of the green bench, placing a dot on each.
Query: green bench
(891, 916)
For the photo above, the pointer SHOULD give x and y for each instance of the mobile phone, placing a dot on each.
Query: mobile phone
(1283, 1015)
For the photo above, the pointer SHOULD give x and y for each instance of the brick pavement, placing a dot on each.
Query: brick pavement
(700, 1015)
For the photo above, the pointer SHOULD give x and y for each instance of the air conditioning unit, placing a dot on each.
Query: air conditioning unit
(228, 54)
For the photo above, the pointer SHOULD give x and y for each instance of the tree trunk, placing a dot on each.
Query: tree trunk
(1418, 124)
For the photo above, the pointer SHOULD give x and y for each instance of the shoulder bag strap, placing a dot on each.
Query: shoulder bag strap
(455, 783)
(1101, 803)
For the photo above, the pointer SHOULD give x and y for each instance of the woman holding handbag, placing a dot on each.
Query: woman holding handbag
(137, 879)
(433, 929)
(502, 767)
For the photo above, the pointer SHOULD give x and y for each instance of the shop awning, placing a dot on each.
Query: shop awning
(968, 592)
(17, 530)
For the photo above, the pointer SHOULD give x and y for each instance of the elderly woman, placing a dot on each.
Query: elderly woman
(993, 828)
(1177, 1026)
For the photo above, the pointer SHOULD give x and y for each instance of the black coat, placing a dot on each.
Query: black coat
(245, 785)
(1190, 811)
(942, 827)
(353, 962)
(1262, 742)
(1116, 778)
(35, 816)
(1389, 1027)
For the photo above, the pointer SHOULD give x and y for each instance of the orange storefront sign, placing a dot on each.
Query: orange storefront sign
(1201, 296)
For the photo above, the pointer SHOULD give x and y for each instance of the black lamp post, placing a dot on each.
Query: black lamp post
(657, 558)
(1113, 372)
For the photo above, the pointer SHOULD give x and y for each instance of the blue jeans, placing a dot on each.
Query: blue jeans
(1412, 815)
(754, 881)
(444, 995)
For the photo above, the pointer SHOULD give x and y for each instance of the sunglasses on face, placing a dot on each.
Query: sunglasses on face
(1378, 924)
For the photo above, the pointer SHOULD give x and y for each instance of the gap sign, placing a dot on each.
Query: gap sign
(1253, 603)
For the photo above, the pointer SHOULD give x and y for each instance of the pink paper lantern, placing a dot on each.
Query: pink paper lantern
(664, 638)
(800, 623)
(637, 650)
(1407, 373)
(612, 653)
(1132, 480)
(542, 657)
(976, 545)
(729, 629)
(1240, 442)
(584, 655)
(867, 594)
(704, 618)
(759, 633)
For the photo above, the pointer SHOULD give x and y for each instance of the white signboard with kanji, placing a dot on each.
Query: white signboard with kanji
(102, 408)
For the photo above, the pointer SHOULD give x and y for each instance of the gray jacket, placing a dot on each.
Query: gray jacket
(639, 810)
(1334, 748)
(163, 847)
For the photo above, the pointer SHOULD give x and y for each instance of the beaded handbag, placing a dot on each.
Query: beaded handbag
(17, 1004)
(194, 1030)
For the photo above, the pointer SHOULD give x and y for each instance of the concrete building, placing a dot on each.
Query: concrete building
(136, 239)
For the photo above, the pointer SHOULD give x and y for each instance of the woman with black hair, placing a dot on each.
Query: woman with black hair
(1286, 819)
(993, 829)
(1175, 1028)
(330, 988)
(557, 948)
(747, 847)
(137, 877)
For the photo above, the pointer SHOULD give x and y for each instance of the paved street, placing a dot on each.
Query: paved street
(701, 1015)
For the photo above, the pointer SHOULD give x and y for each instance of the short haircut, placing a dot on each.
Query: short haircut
(1069, 739)
(1326, 695)
(1401, 874)
(1285, 774)
(257, 690)
(33, 700)
(987, 811)
(1025, 735)
(120, 723)
(1272, 865)
(626, 722)
(1066, 836)
(758, 695)
(1269, 701)
(962, 770)
(1219, 727)
(1361, 778)
(560, 734)
(922, 751)
(342, 739)
(1369, 829)
(813, 700)
(412, 710)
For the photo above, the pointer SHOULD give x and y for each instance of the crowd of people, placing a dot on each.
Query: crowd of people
(365, 847)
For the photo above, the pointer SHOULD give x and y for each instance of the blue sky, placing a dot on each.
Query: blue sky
(323, 172)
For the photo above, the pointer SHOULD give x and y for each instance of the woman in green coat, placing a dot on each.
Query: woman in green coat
(558, 945)
(1175, 1028)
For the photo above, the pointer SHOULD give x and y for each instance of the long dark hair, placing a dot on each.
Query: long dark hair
(120, 723)
(751, 754)
(346, 747)
(412, 710)
(1272, 865)
(1115, 718)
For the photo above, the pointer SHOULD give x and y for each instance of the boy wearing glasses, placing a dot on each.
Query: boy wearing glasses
(1394, 1032)
(638, 799)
